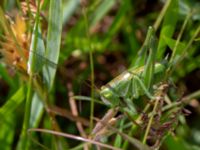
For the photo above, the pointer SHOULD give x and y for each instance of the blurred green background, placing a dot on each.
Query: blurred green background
(112, 32)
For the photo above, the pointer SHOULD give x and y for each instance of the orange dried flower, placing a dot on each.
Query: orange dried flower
(15, 44)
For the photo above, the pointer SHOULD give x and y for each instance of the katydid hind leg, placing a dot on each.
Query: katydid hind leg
(138, 88)
(150, 62)
(142, 53)
(125, 92)
(144, 89)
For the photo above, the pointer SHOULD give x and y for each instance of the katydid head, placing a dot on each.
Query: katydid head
(109, 97)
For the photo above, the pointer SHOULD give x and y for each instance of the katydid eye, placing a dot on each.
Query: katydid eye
(105, 91)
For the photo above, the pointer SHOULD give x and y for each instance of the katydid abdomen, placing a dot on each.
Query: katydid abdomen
(128, 85)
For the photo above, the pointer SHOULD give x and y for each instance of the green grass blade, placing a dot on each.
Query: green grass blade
(13, 102)
(35, 67)
(100, 12)
(116, 24)
(36, 111)
(175, 50)
(162, 14)
(7, 117)
(24, 142)
(118, 139)
(37, 47)
(53, 40)
(176, 143)
(7, 131)
(171, 44)
(69, 7)
(37, 106)
(168, 26)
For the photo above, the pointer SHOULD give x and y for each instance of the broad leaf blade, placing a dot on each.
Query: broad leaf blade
(53, 40)
(13, 102)
(37, 47)
(69, 7)
(7, 131)
(7, 117)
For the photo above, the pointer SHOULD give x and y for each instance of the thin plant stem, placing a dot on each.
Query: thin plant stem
(179, 36)
(29, 14)
(138, 120)
(185, 100)
(188, 98)
(150, 121)
(91, 68)
(185, 50)
(172, 60)
(162, 14)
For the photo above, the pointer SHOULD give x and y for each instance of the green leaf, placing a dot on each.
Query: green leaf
(118, 139)
(117, 23)
(168, 27)
(53, 40)
(176, 143)
(171, 44)
(7, 131)
(7, 118)
(37, 49)
(69, 7)
(37, 110)
(13, 102)
(100, 12)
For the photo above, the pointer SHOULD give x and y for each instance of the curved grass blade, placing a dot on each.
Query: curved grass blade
(7, 116)
(66, 135)
(100, 12)
(69, 7)
(13, 102)
(168, 26)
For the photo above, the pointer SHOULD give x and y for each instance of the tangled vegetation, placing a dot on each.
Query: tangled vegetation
(99, 74)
